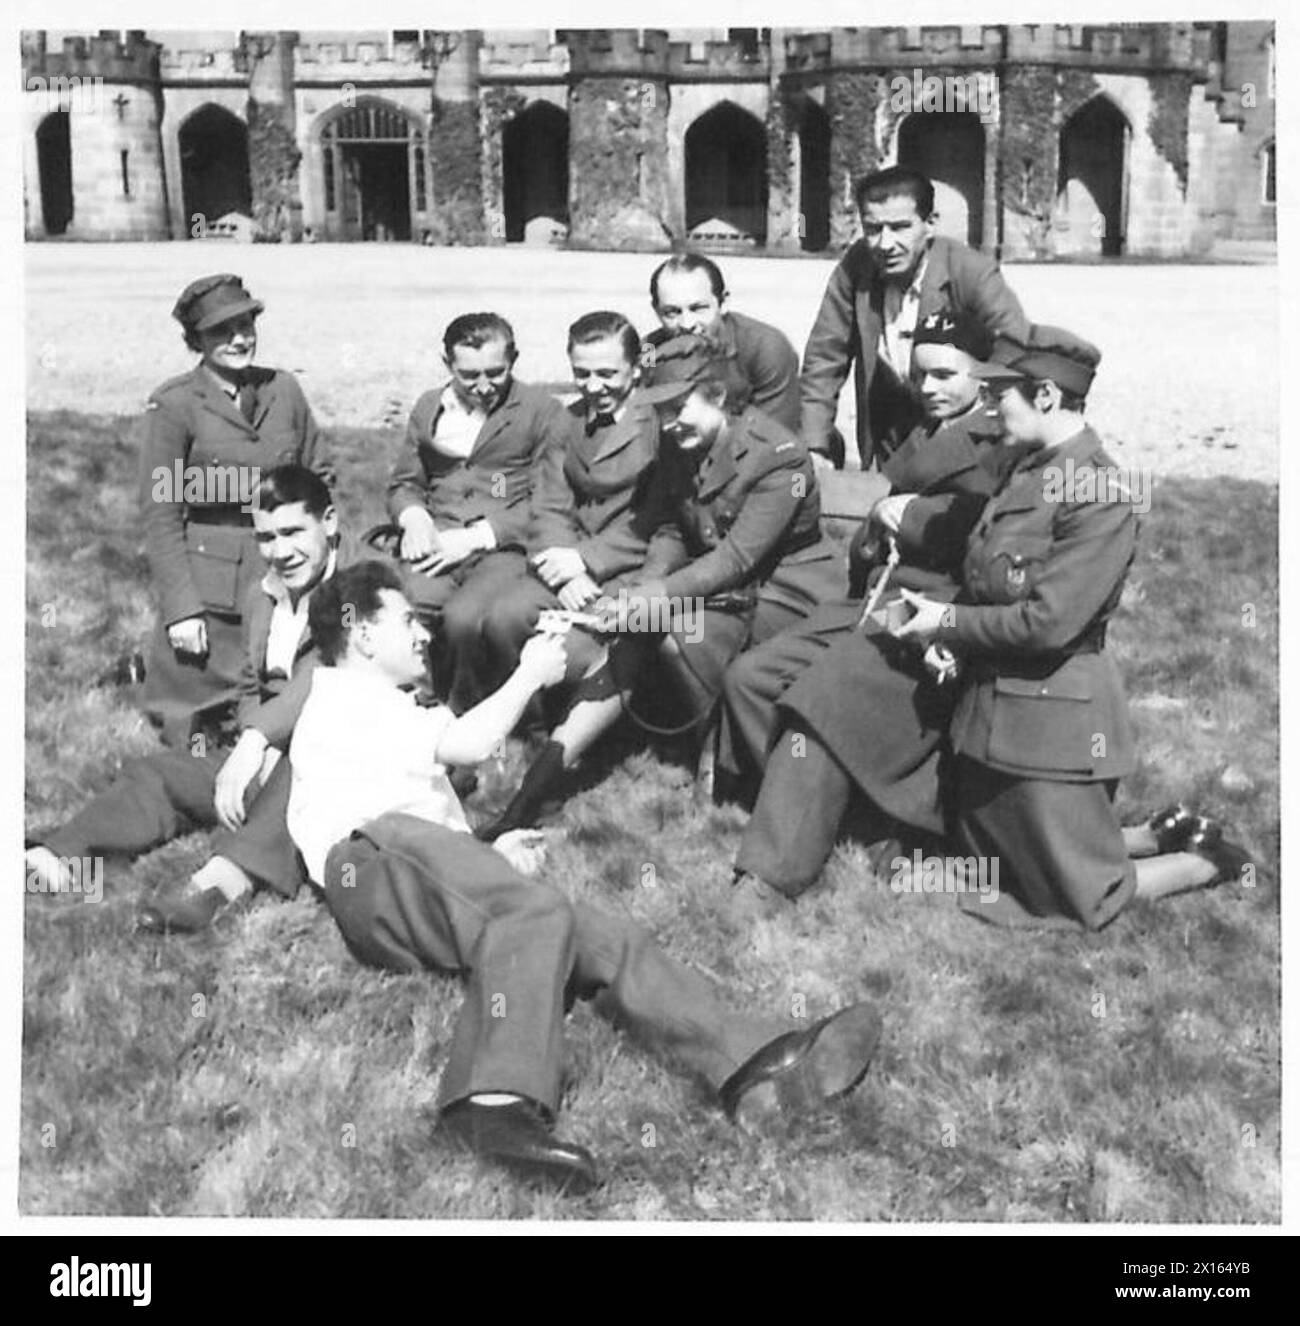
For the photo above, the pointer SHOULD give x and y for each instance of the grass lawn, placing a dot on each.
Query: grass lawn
(259, 1071)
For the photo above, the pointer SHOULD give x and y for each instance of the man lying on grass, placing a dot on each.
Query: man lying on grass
(234, 782)
(411, 889)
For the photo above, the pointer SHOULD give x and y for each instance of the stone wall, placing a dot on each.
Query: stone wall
(618, 169)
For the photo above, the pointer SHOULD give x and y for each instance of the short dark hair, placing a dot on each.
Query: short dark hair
(475, 330)
(1070, 400)
(286, 484)
(689, 262)
(892, 182)
(604, 325)
(351, 596)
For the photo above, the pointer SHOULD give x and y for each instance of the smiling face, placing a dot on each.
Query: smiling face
(481, 374)
(394, 641)
(942, 374)
(685, 302)
(694, 422)
(229, 347)
(896, 235)
(294, 543)
(604, 374)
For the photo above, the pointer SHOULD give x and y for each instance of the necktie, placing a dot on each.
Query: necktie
(247, 400)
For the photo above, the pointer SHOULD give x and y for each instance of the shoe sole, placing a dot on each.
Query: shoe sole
(836, 1063)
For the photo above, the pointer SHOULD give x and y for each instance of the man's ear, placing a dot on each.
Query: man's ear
(1048, 396)
(330, 519)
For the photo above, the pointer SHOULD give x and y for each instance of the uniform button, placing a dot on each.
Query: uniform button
(1042, 690)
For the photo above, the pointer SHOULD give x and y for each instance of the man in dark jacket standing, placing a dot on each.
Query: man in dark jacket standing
(895, 276)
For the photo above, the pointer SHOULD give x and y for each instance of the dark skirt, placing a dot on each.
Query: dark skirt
(873, 705)
(1058, 846)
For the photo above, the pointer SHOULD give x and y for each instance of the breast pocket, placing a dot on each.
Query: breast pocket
(1013, 569)
(1046, 724)
(216, 556)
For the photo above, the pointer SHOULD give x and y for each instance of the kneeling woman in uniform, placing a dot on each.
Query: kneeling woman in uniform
(209, 435)
(737, 556)
(1040, 735)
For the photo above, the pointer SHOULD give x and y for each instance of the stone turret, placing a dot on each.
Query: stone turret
(93, 153)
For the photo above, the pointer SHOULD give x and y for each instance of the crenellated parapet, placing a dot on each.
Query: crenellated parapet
(133, 60)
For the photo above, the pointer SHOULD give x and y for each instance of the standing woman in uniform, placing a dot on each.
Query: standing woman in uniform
(209, 435)
(1041, 734)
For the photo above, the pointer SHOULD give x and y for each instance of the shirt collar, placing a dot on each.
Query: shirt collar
(230, 388)
(278, 592)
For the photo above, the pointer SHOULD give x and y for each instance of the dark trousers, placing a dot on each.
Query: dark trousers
(756, 680)
(160, 797)
(409, 895)
(455, 607)
(801, 805)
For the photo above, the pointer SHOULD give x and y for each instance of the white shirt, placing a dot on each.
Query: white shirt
(458, 426)
(901, 306)
(362, 748)
(288, 623)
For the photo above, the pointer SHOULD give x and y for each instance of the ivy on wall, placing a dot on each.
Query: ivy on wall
(456, 211)
(499, 105)
(852, 99)
(273, 158)
(1167, 123)
(618, 164)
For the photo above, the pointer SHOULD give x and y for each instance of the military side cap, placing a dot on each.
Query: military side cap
(1050, 353)
(956, 329)
(676, 365)
(212, 300)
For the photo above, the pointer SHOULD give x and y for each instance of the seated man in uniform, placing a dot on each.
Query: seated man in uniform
(738, 556)
(592, 498)
(242, 787)
(689, 296)
(461, 487)
(411, 889)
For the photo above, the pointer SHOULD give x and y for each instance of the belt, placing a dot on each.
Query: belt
(1037, 666)
(218, 515)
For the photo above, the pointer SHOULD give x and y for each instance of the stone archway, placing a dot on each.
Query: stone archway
(374, 160)
(814, 177)
(1092, 179)
(214, 168)
(948, 146)
(535, 174)
(726, 177)
(54, 161)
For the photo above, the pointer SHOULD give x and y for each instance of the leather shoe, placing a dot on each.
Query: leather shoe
(1172, 828)
(184, 915)
(516, 1137)
(1228, 858)
(809, 1068)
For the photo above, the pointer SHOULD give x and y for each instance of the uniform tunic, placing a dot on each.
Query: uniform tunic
(597, 493)
(746, 524)
(1041, 732)
(857, 693)
(202, 555)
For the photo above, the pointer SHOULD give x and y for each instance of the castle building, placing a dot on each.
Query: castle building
(1047, 140)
